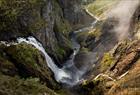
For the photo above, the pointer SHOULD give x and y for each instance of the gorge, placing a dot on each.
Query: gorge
(63, 47)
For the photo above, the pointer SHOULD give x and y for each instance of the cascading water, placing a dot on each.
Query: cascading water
(68, 74)
(59, 73)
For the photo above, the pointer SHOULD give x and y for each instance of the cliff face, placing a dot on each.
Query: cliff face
(117, 72)
(74, 12)
(40, 18)
(50, 22)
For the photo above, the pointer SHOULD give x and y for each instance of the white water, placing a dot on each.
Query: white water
(91, 26)
(68, 74)
(88, 28)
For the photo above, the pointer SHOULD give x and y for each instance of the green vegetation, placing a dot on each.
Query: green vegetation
(60, 52)
(63, 26)
(62, 92)
(98, 7)
(30, 62)
(24, 53)
(95, 32)
(85, 50)
(6, 67)
(82, 37)
(15, 14)
(17, 86)
(93, 87)
(107, 61)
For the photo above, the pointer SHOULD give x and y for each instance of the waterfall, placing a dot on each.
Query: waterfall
(69, 74)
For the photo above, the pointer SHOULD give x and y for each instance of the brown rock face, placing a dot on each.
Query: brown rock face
(129, 85)
(125, 63)
(129, 54)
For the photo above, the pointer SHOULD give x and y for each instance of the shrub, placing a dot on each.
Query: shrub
(15, 15)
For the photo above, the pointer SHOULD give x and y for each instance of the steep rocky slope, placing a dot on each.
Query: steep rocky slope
(50, 24)
(74, 13)
(42, 19)
(117, 72)
(120, 72)
(20, 62)
(110, 63)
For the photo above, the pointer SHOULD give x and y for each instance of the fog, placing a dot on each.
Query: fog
(123, 12)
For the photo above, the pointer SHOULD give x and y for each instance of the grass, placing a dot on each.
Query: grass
(98, 7)
(107, 61)
(95, 32)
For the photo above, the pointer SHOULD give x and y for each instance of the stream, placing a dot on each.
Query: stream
(69, 74)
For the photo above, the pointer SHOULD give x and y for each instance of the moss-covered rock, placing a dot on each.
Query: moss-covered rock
(93, 87)
(85, 60)
(17, 86)
(29, 62)
(6, 66)
(107, 61)
(20, 18)
(40, 18)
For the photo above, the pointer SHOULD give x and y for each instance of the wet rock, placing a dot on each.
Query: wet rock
(85, 59)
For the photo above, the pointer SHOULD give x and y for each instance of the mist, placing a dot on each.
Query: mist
(123, 12)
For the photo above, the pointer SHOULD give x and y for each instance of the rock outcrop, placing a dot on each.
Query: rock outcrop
(75, 14)
(42, 19)
(16, 85)
(26, 61)
(122, 75)
(118, 72)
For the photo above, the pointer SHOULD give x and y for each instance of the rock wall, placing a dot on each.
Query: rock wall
(74, 13)
(42, 19)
